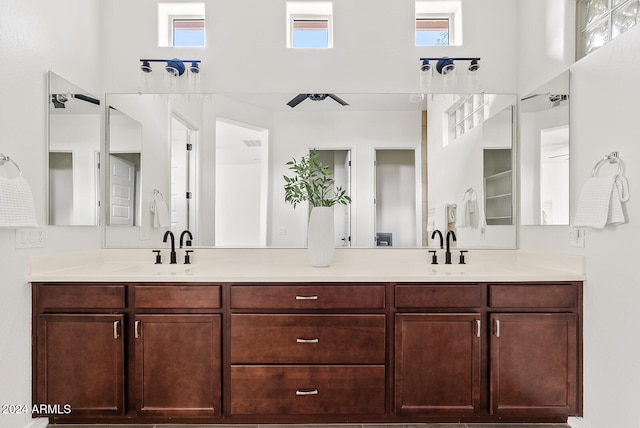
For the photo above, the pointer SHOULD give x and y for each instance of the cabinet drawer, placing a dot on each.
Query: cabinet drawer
(308, 339)
(307, 297)
(438, 296)
(81, 296)
(533, 296)
(307, 390)
(177, 296)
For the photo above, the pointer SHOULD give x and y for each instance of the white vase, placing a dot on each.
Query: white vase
(320, 236)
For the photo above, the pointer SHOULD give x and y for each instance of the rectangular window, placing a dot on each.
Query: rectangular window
(600, 21)
(467, 113)
(188, 32)
(310, 33)
(438, 23)
(309, 25)
(432, 31)
(181, 24)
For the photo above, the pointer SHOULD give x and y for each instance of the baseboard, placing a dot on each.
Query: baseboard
(577, 423)
(38, 423)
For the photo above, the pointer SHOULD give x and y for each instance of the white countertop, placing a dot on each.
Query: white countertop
(292, 265)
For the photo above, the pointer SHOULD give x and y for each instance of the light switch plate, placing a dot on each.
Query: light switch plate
(577, 237)
(30, 238)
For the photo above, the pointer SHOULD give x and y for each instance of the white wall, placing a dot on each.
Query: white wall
(604, 116)
(374, 47)
(37, 36)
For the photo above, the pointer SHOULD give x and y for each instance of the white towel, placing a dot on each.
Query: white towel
(16, 203)
(471, 213)
(599, 204)
(160, 211)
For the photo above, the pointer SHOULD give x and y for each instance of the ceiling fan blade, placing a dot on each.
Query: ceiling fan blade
(297, 100)
(338, 99)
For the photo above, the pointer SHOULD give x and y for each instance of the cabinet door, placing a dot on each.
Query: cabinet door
(437, 363)
(533, 363)
(178, 360)
(79, 360)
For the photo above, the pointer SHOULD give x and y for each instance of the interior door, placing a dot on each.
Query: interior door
(340, 163)
(180, 194)
(122, 181)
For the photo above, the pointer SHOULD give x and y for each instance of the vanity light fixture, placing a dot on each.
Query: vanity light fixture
(446, 65)
(446, 68)
(175, 67)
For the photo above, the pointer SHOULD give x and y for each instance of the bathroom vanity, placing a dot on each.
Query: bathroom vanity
(259, 336)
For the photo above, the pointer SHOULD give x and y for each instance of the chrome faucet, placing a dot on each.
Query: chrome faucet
(447, 255)
(186, 232)
(433, 236)
(173, 245)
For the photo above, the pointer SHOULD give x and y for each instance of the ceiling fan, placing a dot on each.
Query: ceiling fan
(315, 97)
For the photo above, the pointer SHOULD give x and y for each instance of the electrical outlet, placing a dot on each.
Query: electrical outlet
(577, 237)
(30, 238)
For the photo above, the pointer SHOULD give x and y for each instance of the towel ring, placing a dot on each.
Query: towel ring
(4, 158)
(611, 158)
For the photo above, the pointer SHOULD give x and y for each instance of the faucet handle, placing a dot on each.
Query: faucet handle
(158, 257)
(434, 257)
(187, 259)
(462, 262)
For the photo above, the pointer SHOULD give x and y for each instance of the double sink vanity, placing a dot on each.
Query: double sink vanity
(260, 336)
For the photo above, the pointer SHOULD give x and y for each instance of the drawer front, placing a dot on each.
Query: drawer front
(307, 390)
(533, 296)
(307, 297)
(81, 296)
(438, 296)
(177, 296)
(307, 339)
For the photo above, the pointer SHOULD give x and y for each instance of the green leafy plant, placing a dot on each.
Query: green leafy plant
(312, 181)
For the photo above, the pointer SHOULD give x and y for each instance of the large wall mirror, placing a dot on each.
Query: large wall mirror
(544, 133)
(74, 154)
(380, 145)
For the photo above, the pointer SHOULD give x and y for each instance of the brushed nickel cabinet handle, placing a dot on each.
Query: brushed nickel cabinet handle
(497, 328)
(307, 392)
(136, 329)
(301, 340)
(478, 328)
(116, 329)
(306, 297)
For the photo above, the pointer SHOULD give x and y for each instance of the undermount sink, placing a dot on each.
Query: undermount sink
(159, 269)
(454, 270)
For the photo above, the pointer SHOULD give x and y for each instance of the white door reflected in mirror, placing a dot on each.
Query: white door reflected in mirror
(554, 175)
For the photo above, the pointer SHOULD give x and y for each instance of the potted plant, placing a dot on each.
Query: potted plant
(313, 182)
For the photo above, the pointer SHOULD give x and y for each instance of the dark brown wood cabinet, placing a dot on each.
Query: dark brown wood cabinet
(288, 356)
(437, 365)
(308, 353)
(80, 363)
(178, 365)
(534, 363)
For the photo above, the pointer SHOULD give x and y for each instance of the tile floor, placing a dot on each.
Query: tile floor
(453, 425)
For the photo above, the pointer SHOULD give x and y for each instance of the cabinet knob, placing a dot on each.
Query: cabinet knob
(300, 340)
(306, 297)
(307, 392)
